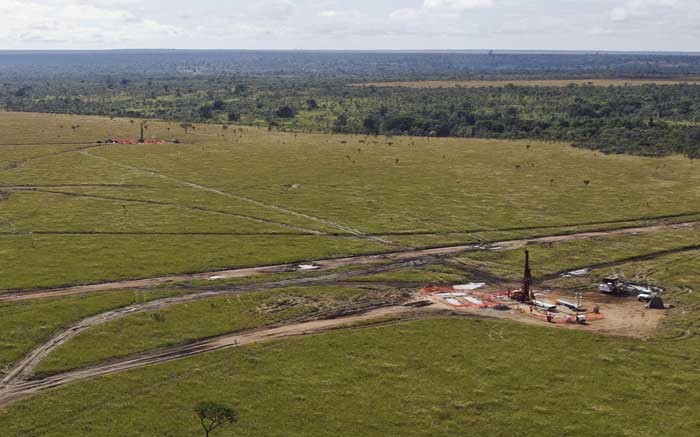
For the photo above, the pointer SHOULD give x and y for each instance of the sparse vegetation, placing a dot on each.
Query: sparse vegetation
(213, 416)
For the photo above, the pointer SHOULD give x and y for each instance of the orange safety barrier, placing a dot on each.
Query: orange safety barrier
(432, 289)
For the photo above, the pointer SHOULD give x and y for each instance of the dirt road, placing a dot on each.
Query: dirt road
(16, 389)
(14, 384)
(25, 367)
(330, 264)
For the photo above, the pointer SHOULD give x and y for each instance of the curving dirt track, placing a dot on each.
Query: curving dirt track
(25, 367)
(328, 264)
(14, 390)
(15, 384)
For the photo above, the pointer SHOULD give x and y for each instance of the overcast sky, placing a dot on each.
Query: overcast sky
(357, 24)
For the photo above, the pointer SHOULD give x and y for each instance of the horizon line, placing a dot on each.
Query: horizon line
(462, 51)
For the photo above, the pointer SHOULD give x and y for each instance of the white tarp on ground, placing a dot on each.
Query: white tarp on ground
(474, 300)
(544, 304)
(470, 286)
(453, 302)
(451, 294)
(581, 272)
(308, 267)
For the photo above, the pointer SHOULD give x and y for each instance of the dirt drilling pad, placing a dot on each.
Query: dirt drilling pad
(615, 315)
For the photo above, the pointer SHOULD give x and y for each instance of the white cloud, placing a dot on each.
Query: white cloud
(75, 23)
(406, 14)
(445, 9)
(277, 9)
(352, 24)
(641, 8)
(456, 5)
(337, 14)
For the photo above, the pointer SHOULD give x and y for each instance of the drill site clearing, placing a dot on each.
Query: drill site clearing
(617, 307)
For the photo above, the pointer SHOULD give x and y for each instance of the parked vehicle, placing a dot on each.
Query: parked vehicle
(645, 297)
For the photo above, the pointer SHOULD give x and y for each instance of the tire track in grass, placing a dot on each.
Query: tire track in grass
(305, 231)
(171, 234)
(327, 264)
(26, 365)
(13, 386)
(21, 162)
(632, 221)
(402, 260)
(258, 203)
(68, 143)
(21, 389)
(39, 187)
(619, 262)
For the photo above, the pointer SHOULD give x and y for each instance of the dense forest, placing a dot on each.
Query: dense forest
(312, 91)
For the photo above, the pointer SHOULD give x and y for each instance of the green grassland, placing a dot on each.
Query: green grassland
(438, 377)
(99, 344)
(550, 258)
(30, 211)
(200, 319)
(251, 181)
(431, 377)
(41, 261)
(481, 236)
(74, 211)
(26, 324)
(431, 274)
(383, 185)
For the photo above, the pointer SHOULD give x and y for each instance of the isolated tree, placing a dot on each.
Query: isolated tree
(218, 105)
(213, 415)
(372, 125)
(205, 112)
(312, 104)
(186, 127)
(285, 112)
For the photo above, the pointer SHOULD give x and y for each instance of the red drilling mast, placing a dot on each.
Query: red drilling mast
(525, 294)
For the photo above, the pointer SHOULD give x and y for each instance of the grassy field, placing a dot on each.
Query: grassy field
(432, 274)
(74, 259)
(201, 319)
(548, 259)
(182, 322)
(75, 211)
(528, 82)
(26, 324)
(438, 378)
(149, 208)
